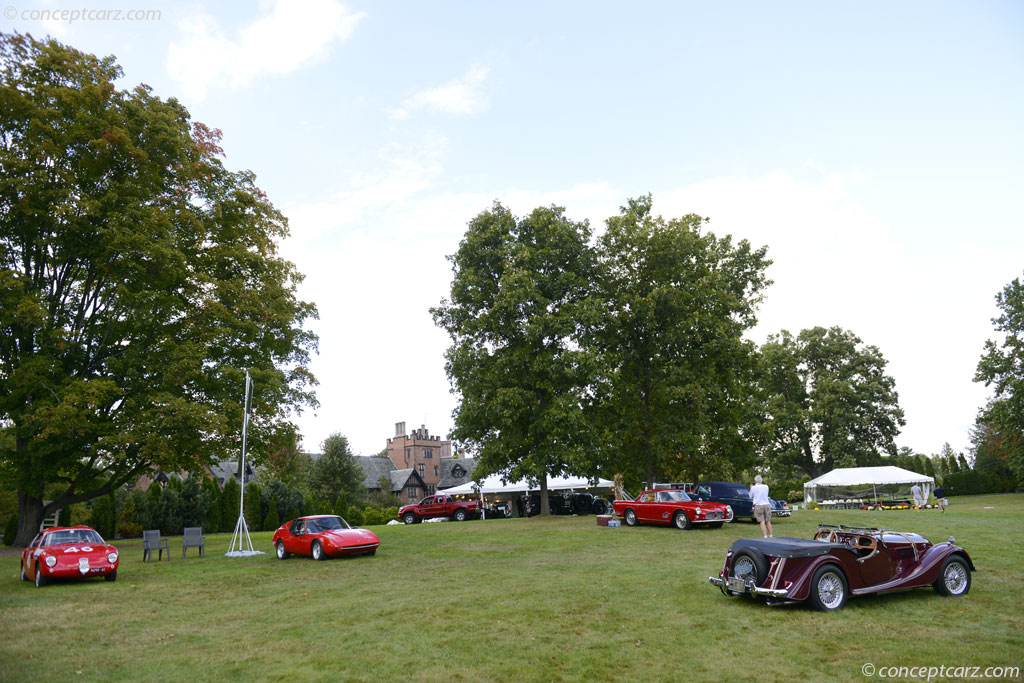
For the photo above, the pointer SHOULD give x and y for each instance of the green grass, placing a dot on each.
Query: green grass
(537, 599)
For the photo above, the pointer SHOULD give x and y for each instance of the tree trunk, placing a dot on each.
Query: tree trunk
(545, 507)
(31, 512)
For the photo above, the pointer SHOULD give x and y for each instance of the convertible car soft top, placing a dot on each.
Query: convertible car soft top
(786, 547)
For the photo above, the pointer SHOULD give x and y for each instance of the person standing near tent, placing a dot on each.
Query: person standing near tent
(762, 506)
(918, 495)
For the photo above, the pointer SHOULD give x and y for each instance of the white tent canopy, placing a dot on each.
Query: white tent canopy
(493, 484)
(866, 482)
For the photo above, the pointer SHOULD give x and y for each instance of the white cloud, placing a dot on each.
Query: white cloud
(285, 38)
(461, 96)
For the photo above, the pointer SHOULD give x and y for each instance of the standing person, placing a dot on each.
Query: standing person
(762, 506)
(918, 495)
(940, 498)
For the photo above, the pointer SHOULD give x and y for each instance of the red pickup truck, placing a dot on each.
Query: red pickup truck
(439, 505)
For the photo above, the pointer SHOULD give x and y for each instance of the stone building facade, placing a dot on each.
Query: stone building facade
(421, 452)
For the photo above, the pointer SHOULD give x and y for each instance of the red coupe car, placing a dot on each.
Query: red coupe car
(68, 552)
(672, 506)
(323, 536)
(841, 561)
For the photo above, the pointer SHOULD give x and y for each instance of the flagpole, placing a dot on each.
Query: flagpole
(244, 547)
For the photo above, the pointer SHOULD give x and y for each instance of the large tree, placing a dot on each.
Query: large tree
(829, 402)
(139, 279)
(673, 397)
(1002, 368)
(336, 474)
(518, 303)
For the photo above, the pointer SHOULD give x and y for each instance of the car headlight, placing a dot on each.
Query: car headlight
(112, 558)
(698, 511)
(50, 560)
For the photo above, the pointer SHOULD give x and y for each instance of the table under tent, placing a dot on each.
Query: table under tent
(493, 491)
(856, 486)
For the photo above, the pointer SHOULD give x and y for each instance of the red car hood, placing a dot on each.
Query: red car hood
(344, 537)
(78, 549)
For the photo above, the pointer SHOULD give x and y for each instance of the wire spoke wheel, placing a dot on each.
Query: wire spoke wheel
(955, 578)
(830, 590)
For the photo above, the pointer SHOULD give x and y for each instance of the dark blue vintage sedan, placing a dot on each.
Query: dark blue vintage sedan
(738, 496)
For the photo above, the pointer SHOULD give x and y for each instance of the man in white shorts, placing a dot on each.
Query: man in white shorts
(918, 495)
(762, 506)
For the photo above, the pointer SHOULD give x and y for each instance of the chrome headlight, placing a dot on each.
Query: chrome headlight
(112, 558)
(698, 511)
(50, 560)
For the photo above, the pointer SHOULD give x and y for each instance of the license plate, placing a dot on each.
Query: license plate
(737, 585)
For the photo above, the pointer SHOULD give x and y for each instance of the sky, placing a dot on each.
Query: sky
(875, 148)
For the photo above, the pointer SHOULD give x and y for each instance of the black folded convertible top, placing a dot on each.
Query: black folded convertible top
(786, 547)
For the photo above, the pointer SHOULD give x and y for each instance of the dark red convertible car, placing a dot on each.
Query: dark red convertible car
(839, 562)
(68, 552)
(672, 506)
(323, 536)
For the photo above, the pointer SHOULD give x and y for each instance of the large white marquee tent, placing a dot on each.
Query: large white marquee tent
(859, 483)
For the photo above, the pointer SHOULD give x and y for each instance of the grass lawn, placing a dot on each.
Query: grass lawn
(534, 599)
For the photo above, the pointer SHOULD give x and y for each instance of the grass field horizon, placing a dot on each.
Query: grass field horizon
(521, 599)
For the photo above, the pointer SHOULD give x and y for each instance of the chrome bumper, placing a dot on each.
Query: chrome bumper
(737, 586)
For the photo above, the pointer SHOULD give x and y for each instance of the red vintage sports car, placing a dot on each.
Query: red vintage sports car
(323, 536)
(672, 506)
(841, 561)
(68, 552)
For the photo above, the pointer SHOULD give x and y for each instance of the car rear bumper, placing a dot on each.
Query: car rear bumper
(737, 586)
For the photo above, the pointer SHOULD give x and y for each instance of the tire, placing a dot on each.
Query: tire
(23, 577)
(409, 518)
(749, 564)
(372, 552)
(112, 576)
(282, 554)
(681, 521)
(829, 589)
(460, 515)
(954, 578)
(600, 507)
(40, 579)
(318, 552)
(630, 517)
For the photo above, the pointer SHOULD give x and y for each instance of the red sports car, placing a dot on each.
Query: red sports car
(323, 536)
(68, 552)
(841, 561)
(672, 506)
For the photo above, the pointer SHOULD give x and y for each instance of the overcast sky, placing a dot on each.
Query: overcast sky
(876, 148)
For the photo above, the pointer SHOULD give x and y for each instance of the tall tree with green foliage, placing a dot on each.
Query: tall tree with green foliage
(336, 473)
(1002, 368)
(673, 398)
(829, 401)
(139, 279)
(516, 315)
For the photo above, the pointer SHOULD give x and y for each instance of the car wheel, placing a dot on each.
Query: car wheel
(682, 521)
(409, 518)
(749, 566)
(955, 577)
(40, 579)
(23, 577)
(112, 576)
(630, 518)
(282, 554)
(460, 515)
(318, 551)
(828, 588)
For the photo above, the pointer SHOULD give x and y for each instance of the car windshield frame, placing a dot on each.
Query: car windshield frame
(317, 524)
(75, 536)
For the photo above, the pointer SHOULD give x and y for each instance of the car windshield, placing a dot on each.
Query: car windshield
(326, 524)
(672, 496)
(72, 536)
